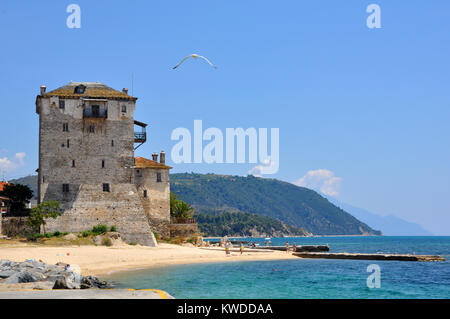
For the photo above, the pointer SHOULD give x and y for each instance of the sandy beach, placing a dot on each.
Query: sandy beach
(98, 260)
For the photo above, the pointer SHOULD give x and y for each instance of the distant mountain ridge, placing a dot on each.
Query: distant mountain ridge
(390, 225)
(291, 204)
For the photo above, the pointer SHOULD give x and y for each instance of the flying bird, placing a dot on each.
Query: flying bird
(195, 56)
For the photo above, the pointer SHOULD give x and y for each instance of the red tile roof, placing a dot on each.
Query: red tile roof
(142, 162)
(2, 185)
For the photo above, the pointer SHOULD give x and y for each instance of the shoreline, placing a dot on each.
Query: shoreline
(102, 260)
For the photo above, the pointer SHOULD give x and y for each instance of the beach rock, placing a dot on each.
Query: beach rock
(43, 285)
(45, 276)
(113, 235)
(70, 237)
(53, 278)
(20, 277)
(199, 241)
(5, 263)
(6, 273)
(67, 282)
(92, 282)
(98, 240)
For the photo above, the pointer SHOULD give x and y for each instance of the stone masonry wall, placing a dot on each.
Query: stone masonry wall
(92, 152)
(183, 230)
(120, 207)
(16, 226)
(157, 202)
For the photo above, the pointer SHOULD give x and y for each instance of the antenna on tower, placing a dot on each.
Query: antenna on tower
(3, 175)
(132, 84)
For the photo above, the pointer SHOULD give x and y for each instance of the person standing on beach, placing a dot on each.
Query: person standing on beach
(294, 248)
(242, 248)
(287, 247)
(227, 248)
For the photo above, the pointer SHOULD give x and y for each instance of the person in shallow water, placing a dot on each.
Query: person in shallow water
(287, 247)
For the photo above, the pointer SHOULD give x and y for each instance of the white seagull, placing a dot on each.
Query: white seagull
(195, 56)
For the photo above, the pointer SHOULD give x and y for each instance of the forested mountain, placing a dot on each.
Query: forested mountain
(293, 205)
(244, 224)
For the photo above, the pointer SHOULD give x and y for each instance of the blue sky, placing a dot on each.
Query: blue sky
(370, 107)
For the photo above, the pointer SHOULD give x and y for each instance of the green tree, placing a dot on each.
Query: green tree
(18, 194)
(43, 211)
(183, 209)
(173, 202)
(179, 208)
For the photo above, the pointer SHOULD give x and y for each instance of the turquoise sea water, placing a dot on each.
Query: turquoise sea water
(308, 278)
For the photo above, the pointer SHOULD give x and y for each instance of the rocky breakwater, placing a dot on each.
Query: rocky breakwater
(39, 275)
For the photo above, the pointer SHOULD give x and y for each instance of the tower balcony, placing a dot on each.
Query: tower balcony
(140, 137)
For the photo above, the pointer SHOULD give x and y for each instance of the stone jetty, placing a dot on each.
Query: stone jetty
(406, 257)
(300, 248)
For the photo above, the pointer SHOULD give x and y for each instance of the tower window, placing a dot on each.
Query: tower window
(124, 108)
(65, 127)
(112, 143)
(92, 129)
(73, 163)
(106, 187)
(62, 104)
(103, 163)
(145, 193)
(79, 89)
(158, 177)
(96, 110)
(68, 143)
(65, 188)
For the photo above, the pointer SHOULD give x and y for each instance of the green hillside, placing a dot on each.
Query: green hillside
(293, 205)
(244, 224)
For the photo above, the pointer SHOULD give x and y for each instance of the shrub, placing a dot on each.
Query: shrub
(57, 233)
(133, 243)
(99, 229)
(35, 236)
(113, 228)
(157, 237)
(106, 241)
(65, 233)
(49, 235)
(86, 233)
(192, 240)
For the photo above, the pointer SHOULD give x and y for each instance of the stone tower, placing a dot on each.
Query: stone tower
(86, 162)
